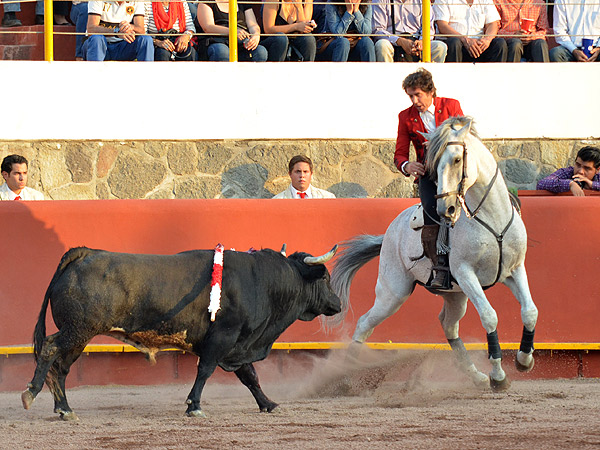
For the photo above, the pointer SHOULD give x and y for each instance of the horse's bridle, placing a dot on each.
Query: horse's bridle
(460, 196)
(461, 190)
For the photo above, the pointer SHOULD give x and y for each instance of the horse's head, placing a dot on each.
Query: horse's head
(447, 157)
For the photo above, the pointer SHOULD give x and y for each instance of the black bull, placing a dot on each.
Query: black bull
(160, 301)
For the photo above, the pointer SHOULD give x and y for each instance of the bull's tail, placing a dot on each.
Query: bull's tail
(354, 254)
(39, 334)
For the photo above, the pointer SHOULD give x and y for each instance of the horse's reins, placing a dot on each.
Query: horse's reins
(460, 195)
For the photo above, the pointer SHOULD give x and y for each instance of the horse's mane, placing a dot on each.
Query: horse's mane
(439, 138)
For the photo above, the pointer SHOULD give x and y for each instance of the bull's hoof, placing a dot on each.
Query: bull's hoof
(524, 368)
(27, 398)
(196, 413)
(500, 386)
(269, 408)
(68, 416)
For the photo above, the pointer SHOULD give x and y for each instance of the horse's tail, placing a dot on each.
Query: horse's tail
(39, 333)
(355, 253)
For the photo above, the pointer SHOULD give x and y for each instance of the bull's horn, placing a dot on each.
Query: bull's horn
(283, 249)
(312, 260)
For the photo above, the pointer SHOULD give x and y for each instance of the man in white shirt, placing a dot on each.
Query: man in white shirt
(470, 28)
(118, 32)
(401, 39)
(301, 171)
(14, 171)
(574, 22)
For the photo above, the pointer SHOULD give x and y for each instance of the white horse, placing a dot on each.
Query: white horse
(487, 245)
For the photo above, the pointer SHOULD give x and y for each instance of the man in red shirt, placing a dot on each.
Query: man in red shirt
(426, 113)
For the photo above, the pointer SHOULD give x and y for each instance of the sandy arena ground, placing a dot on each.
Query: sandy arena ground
(414, 403)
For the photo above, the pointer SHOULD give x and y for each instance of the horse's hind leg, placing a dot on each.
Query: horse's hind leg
(519, 286)
(454, 308)
(391, 292)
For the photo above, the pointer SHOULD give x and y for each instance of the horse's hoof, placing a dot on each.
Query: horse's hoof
(480, 380)
(196, 413)
(523, 368)
(499, 386)
(27, 398)
(69, 416)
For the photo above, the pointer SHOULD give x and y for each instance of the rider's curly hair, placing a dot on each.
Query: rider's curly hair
(422, 79)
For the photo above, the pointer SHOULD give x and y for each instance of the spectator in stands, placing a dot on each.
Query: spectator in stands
(583, 175)
(293, 18)
(427, 112)
(79, 16)
(119, 32)
(470, 30)
(60, 9)
(14, 171)
(400, 39)
(574, 22)
(174, 19)
(301, 172)
(213, 18)
(524, 38)
(353, 17)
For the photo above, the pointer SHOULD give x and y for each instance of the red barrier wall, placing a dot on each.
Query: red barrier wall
(562, 260)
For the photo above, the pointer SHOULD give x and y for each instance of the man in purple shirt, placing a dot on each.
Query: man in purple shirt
(584, 175)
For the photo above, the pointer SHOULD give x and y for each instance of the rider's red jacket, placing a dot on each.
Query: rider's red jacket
(410, 123)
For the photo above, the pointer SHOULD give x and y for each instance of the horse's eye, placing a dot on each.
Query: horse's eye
(456, 160)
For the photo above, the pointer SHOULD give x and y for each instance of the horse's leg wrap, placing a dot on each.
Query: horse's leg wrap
(527, 340)
(493, 345)
(460, 351)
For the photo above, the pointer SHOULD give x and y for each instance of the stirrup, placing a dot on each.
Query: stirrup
(437, 272)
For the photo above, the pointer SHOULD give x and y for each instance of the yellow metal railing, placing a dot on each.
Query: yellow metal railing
(123, 348)
(48, 31)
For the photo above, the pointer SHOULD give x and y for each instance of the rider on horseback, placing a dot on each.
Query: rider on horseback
(426, 113)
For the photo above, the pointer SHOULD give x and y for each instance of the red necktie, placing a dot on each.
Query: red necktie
(302, 194)
(18, 197)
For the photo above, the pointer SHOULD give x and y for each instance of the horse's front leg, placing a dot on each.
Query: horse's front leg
(469, 284)
(519, 286)
(454, 309)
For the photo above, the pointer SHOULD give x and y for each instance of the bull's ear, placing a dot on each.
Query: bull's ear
(311, 273)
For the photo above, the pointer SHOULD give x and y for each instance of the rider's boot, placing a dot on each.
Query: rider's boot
(429, 234)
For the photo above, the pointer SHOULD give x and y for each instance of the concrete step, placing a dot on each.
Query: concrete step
(17, 52)
(33, 36)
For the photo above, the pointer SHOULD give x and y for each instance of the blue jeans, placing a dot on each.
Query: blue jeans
(277, 47)
(339, 50)
(79, 18)
(220, 52)
(16, 7)
(95, 48)
(304, 45)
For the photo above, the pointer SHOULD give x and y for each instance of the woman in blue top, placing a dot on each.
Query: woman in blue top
(353, 17)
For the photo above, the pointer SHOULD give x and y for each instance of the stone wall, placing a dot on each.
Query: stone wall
(249, 169)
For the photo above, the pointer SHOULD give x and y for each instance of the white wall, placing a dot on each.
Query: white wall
(74, 100)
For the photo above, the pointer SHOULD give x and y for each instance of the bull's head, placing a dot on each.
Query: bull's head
(322, 299)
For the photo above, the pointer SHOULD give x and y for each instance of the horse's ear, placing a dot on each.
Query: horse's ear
(464, 131)
(426, 135)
